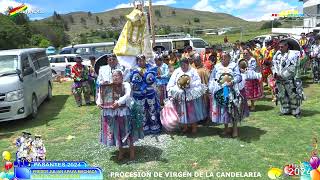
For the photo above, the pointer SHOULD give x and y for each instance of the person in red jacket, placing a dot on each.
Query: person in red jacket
(80, 75)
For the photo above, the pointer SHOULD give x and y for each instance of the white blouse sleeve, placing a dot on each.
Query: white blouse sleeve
(195, 80)
(122, 100)
(173, 79)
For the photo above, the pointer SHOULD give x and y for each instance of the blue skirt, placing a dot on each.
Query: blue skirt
(191, 111)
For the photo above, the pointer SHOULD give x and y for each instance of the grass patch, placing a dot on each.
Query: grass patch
(266, 140)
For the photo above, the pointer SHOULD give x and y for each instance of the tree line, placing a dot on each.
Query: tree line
(19, 32)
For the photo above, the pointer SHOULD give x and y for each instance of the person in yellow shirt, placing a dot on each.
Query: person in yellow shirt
(303, 41)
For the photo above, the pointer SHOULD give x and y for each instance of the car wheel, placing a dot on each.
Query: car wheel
(34, 107)
(49, 97)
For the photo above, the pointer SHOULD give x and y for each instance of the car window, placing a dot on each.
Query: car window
(199, 43)
(25, 63)
(166, 45)
(66, 51)
(82, 51)
(103, 49)
(180, 45)
(42, 59)
(71, 59)
(61, 60)
(34, 60)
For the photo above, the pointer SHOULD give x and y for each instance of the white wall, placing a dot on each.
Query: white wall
(294, 31)
(311, 3)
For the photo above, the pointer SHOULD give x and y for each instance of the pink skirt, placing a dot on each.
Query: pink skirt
(254, 89)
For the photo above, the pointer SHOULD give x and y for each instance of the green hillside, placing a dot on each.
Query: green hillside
(165, 17)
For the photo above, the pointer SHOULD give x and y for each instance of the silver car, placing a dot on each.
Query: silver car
(25, 82)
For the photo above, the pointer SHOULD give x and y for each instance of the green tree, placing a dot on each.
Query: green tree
(71, 19)
(196, 20)
(56, 16)
(188, 22)
(51, 30)
(83, 39)
(11, 35)
(268, 25)
(110, 34)
(97, 20)
(173, 12)
(103, 35)
(157, 13)
(113, 21)
(83, 21)
(44, 43)
(101, 22)
(116, 35)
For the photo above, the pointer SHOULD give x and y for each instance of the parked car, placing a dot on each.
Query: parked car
(50, 50)
(179, 43)
(87, 50)
(25, 82)
(264, 38)
(59, 62)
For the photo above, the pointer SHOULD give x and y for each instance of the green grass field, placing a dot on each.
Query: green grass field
(266, 140)
(232, 38)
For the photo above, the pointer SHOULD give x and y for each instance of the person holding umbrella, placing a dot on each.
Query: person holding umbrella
(284, 69)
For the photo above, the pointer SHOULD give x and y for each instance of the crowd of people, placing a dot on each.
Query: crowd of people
(213, 86)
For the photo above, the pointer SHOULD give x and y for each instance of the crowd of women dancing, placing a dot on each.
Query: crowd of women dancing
(215, 85)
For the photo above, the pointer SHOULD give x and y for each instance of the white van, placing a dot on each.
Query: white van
(25, 82)
(87, 50)
(179, 44)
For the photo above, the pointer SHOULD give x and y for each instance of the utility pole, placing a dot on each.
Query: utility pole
(152, 24)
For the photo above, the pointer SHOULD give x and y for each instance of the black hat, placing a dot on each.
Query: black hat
(159, 48)
(78, 58)
(26, 133)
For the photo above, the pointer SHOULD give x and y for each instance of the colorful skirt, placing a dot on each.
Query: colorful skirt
(191, 111)
(254, 89)
(218, 113)
(119, 131)
(80, 87)
(244, 110)
(162, 93)
(272, 84)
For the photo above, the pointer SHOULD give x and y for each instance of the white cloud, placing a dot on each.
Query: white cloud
(232, 5)
(228, 5)
(156, 3)
(4, 4)
(203, 5)
(123, 6)
(164, 2)
(265, 9)
(245, 3)
(36, 18)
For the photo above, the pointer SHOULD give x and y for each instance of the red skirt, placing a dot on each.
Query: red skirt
(254, 89)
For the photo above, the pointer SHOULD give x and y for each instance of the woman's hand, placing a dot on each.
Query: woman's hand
(115, 105)
(99, 106)
(229, 84)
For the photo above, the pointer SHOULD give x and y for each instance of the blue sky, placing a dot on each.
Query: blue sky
(252, 10)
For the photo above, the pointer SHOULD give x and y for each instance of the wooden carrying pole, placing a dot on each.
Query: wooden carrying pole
(151, 24)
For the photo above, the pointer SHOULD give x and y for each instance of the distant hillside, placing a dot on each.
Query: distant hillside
(175, 19)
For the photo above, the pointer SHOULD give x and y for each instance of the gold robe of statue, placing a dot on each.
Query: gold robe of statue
(130, 42)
